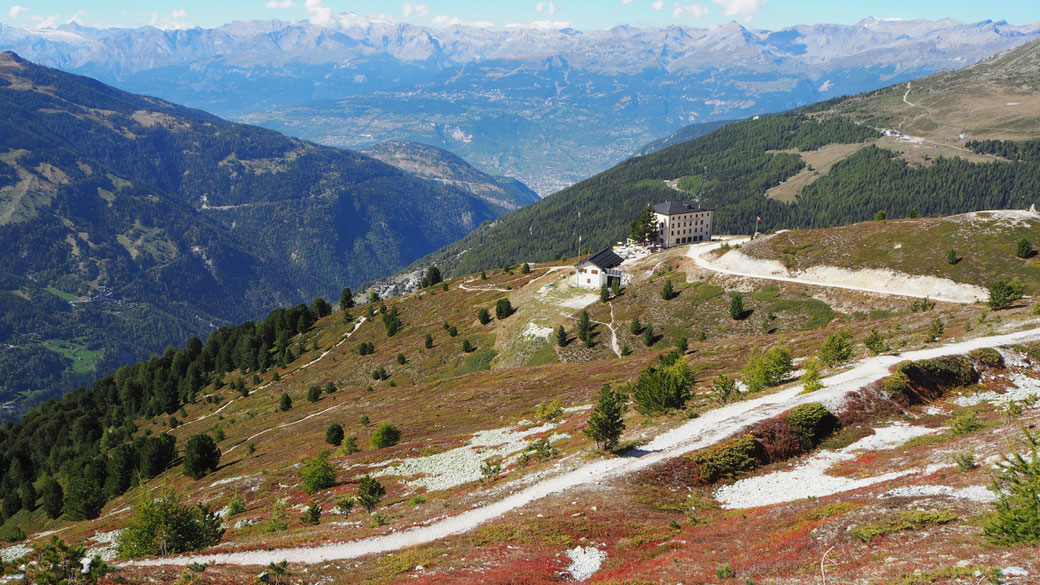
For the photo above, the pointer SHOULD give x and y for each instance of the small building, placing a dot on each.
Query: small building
(599, 270)
(683, 222)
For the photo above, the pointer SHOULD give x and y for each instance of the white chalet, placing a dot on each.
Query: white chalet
(599, 270)
(683, 222)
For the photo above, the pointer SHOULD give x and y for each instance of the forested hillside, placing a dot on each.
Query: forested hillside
(128, 224)
(943, 170)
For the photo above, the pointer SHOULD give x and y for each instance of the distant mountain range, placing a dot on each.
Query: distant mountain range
(953, 142)
(549, 107)
(128, 223)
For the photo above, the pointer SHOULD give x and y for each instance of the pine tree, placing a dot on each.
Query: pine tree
(313, 394)
(525, 269)
(483, 316)
(316, 473)
(606, 423)
(837, 349)
(285, 403)
(880, 216)
(503, 309)
(1003, 293)
(369, 492)
(875, 343)
(201, 456)
(604, 294)
(811, 377)
(1025, 248)
(467, 346)
(645, 229)
(346, 299)
(53, 497)
(667, 292)
(649, 337)
(636, 327)
(334, 434)
(951, 257)
(615, 287)
(429, 341)
(1017, 482)
(736, 305)
(561, 336)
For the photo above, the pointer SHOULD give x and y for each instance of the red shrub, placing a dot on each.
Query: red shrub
(675, 472)
(776, 439)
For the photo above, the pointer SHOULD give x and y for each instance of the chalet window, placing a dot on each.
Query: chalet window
(594, 271)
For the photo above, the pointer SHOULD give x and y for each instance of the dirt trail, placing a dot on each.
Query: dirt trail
(706, 430)
(832, 277)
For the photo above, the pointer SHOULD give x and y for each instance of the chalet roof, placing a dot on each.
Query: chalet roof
(605, 258)
(677, 207)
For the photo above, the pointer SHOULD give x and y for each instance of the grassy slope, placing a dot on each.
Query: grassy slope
(438, 409)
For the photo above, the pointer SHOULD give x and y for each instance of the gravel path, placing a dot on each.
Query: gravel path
(885, 282)
(698, 433)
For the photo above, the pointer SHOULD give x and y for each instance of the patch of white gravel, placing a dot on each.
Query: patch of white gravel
(461, 465)
(975, 493)
(585, 561)
(1023, 387)
(13, 553)
(105, 545)
(534, 330)
(810, 478)
(228, 480)
(888, 282)
(1008, 217)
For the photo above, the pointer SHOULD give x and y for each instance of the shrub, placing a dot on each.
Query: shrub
(549, 410)
(935, 330)
(489, 472)
(725, 572)
(907, 521)
(987, 356)
(812, 423)
(965, 422)
(965, 461)
(951, 257)
(429, 341)
(345, 505)
(278, 520)
(386, 435)
(483, 316)
(236, 506)
(401, 360)
(453, 331)
(1016, 517)
(369, 492)
(330, 388)
(837, 349)
(635, 328)
(350, 446)
(467, 346)
(59, 563)
(777, 439)
(316, 473)
(1003, 293)
(525, 269)
(313, 393)
(875, 343)
(723, 389)
(922, 305)
(285, 403)
(728, 460)
(811, 377)
(663, 387)
(503, 309)
(166, 525)
(334, 434)
(201, 456)
(312, 514)
(768, 369)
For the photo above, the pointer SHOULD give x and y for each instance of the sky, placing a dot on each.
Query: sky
(580, 14)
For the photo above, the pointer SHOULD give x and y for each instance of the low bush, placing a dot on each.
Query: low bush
(386, 435)
(166, 525)
(911, 520)
(987, 356)
(728, 460)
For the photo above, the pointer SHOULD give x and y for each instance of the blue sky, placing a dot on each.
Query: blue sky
(581, 14)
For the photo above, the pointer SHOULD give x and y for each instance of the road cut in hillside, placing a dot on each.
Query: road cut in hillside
(886, 282)
(710, 428)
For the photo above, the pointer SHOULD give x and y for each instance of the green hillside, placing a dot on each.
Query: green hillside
(134, 223)
(932, 174)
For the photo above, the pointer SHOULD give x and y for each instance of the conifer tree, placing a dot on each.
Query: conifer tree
(736, 306)
(606, 423)
(561, 336)
(667, 292)
(346, 299)
(483, 316)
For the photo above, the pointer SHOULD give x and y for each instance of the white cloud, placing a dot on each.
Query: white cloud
(77, 17)
(408, 9)
(175, 20)
(456, 21)
(746, 8)
(320, 14)
(279, 4)
(16, 11)
(548, 8)
(624, 2)
(692, 10)
(657, 5)
(45, 21)
(542, 24)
